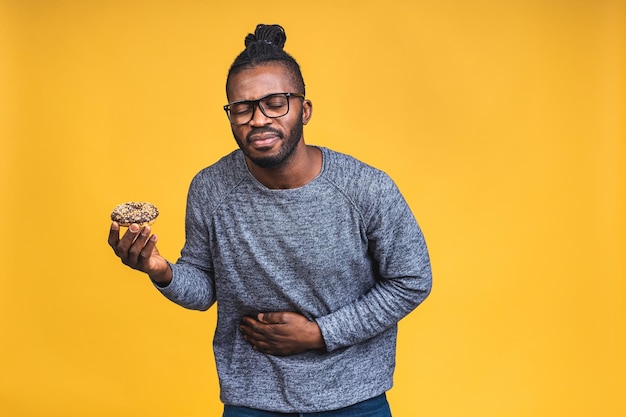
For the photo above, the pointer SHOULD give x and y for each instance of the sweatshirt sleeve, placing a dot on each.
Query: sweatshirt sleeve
(190, 287)
(193, 284)
(399, 251)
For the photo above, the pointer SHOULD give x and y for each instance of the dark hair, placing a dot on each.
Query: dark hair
(263, 47)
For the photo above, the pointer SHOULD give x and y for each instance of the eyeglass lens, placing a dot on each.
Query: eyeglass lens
(274, 105)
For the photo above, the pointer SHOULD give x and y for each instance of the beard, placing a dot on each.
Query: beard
(284, 153)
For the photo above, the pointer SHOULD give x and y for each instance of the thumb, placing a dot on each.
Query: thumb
(270, 317)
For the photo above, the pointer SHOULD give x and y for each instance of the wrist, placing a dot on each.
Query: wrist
(316, 339)
(163, 277)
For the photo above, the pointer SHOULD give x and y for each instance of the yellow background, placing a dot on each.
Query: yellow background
(501, 121)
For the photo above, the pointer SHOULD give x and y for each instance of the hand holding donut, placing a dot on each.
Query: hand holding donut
(137, 247)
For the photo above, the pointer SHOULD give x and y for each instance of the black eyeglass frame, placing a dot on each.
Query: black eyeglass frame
(257, 103)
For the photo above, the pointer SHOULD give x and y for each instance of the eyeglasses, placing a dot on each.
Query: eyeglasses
(272, 106)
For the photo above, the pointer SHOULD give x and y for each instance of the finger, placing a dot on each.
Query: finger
(114, 236)
(129, 237)
(261, 344)
(251, 339)
(125, 243)
(272, 317)
(262, 347)
(255, 331)
(148, 249)
(141, 237)
(249, 327)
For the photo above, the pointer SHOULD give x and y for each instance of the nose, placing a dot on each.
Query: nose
(258, 117)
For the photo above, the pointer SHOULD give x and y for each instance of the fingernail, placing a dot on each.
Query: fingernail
(145, 231)
(134, 228)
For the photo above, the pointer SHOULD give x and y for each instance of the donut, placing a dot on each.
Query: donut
(141, 213)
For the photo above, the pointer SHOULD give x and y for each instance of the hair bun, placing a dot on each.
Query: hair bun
(268, 34)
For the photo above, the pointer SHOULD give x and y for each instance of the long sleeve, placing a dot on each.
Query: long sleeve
(193, 285)
(404, 276)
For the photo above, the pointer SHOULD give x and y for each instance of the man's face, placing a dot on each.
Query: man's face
(268, 142)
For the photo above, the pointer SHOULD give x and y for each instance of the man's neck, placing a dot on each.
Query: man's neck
(303, 166)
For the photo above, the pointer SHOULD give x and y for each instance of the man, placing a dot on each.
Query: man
(312, 256)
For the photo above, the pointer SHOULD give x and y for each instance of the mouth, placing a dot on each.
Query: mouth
(263, 139)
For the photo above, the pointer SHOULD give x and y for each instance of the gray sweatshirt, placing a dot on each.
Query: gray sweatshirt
(343, 250)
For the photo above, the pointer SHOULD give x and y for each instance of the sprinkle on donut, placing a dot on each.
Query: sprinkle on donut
(141, 213)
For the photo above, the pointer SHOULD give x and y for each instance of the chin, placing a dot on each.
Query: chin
(269, 161)
(270, 158)
(273, 159)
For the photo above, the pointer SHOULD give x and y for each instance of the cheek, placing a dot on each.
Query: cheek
(237, 134)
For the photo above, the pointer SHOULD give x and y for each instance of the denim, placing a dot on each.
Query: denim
(374, 407)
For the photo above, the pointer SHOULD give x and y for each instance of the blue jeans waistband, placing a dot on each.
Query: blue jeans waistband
(374, 407)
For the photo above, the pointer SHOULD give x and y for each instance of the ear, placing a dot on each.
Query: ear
(307, 111)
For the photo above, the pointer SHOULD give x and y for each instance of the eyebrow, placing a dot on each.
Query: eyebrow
(267, 95)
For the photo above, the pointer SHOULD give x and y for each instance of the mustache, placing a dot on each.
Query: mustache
(264, 129)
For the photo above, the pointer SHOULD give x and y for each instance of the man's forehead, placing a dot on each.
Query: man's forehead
(261, 80)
